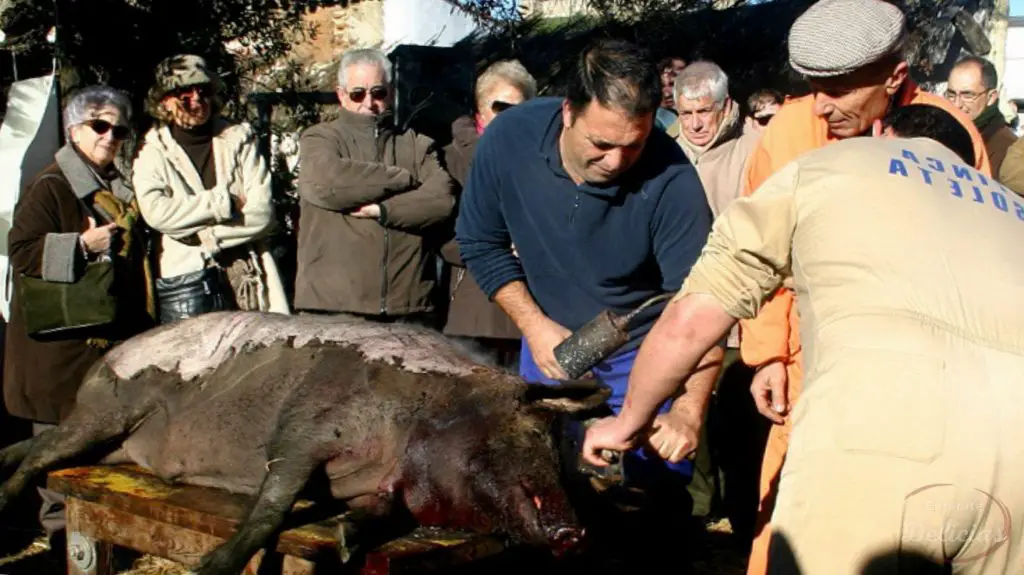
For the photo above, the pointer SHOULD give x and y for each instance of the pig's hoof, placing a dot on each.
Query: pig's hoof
(346, 548)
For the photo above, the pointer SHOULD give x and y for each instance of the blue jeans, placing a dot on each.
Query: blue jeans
(614, 372)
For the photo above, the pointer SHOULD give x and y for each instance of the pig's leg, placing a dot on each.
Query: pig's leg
(301, 445)
(12, 455)
(54, 446)
(99, 418)
(290, 469)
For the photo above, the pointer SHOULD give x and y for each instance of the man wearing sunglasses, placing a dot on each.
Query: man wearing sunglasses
(371, 198)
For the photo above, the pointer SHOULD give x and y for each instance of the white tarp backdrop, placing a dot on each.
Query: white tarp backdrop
(29, 137)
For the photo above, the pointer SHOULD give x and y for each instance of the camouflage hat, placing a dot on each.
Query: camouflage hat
(179, 72)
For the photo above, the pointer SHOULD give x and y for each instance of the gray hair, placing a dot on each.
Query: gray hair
(702, 79)
(364, 56)
(511, 71)
(85, 103)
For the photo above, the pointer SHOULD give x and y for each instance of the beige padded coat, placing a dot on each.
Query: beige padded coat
(174, 202)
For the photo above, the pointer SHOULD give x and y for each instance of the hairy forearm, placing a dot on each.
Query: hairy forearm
(679, 340)
(515, 299)
(695, 394)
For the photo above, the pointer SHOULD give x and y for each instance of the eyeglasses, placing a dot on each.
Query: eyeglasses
(763, 120)
(102, 127)
(357, 95)
(200, 91)
(968, 97)
(498, 106)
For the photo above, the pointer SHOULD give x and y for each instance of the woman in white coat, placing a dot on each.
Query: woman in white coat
(201, 182)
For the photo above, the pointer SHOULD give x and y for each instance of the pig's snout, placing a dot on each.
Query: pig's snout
(565, 539)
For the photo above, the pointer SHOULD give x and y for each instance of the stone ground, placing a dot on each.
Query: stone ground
(27, 554)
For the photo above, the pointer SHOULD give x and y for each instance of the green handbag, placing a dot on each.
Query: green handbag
(55, 308)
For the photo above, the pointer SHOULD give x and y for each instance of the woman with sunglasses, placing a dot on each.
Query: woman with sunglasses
(76, 212)
(471, 315)
(203, 185)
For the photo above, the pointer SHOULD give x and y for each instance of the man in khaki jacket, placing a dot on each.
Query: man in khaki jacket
(906, 438)
(370, 198)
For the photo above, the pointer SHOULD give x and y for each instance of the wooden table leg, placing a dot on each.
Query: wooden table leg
(94, 530)
(85, 554)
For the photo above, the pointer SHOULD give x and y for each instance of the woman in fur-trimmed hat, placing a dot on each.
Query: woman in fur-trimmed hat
(201, 183)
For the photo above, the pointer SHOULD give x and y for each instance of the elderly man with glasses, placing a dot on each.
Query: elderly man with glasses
(371, 199)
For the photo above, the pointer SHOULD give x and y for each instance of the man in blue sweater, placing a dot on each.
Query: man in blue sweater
(604, 213)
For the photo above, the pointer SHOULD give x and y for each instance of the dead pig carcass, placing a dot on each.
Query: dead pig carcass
(390, 415)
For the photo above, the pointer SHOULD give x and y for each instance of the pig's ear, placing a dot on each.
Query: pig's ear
(571, 396)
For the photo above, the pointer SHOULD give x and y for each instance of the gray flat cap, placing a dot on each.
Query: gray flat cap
(836, 37)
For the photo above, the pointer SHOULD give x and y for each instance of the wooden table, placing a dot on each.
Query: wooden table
(128, 507)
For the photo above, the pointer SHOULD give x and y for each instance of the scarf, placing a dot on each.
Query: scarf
(132, 249)
(987, 116)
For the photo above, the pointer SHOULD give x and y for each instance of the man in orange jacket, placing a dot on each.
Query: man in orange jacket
(851, 52)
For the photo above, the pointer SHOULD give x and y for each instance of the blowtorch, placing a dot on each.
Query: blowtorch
(598, 339)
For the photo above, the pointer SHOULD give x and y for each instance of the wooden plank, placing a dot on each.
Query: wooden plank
(155, 538)
(208, 511)
(134, 493)
(113, 526)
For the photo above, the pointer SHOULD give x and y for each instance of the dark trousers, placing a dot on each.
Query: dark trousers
(728, 463)
(639, 520)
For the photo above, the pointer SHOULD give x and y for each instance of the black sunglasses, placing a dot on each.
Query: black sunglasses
(102, 127)
(498, 106)
(357, 95)
(763, 120)
(201, 90)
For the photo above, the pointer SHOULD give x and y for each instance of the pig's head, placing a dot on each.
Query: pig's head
(491, 466)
